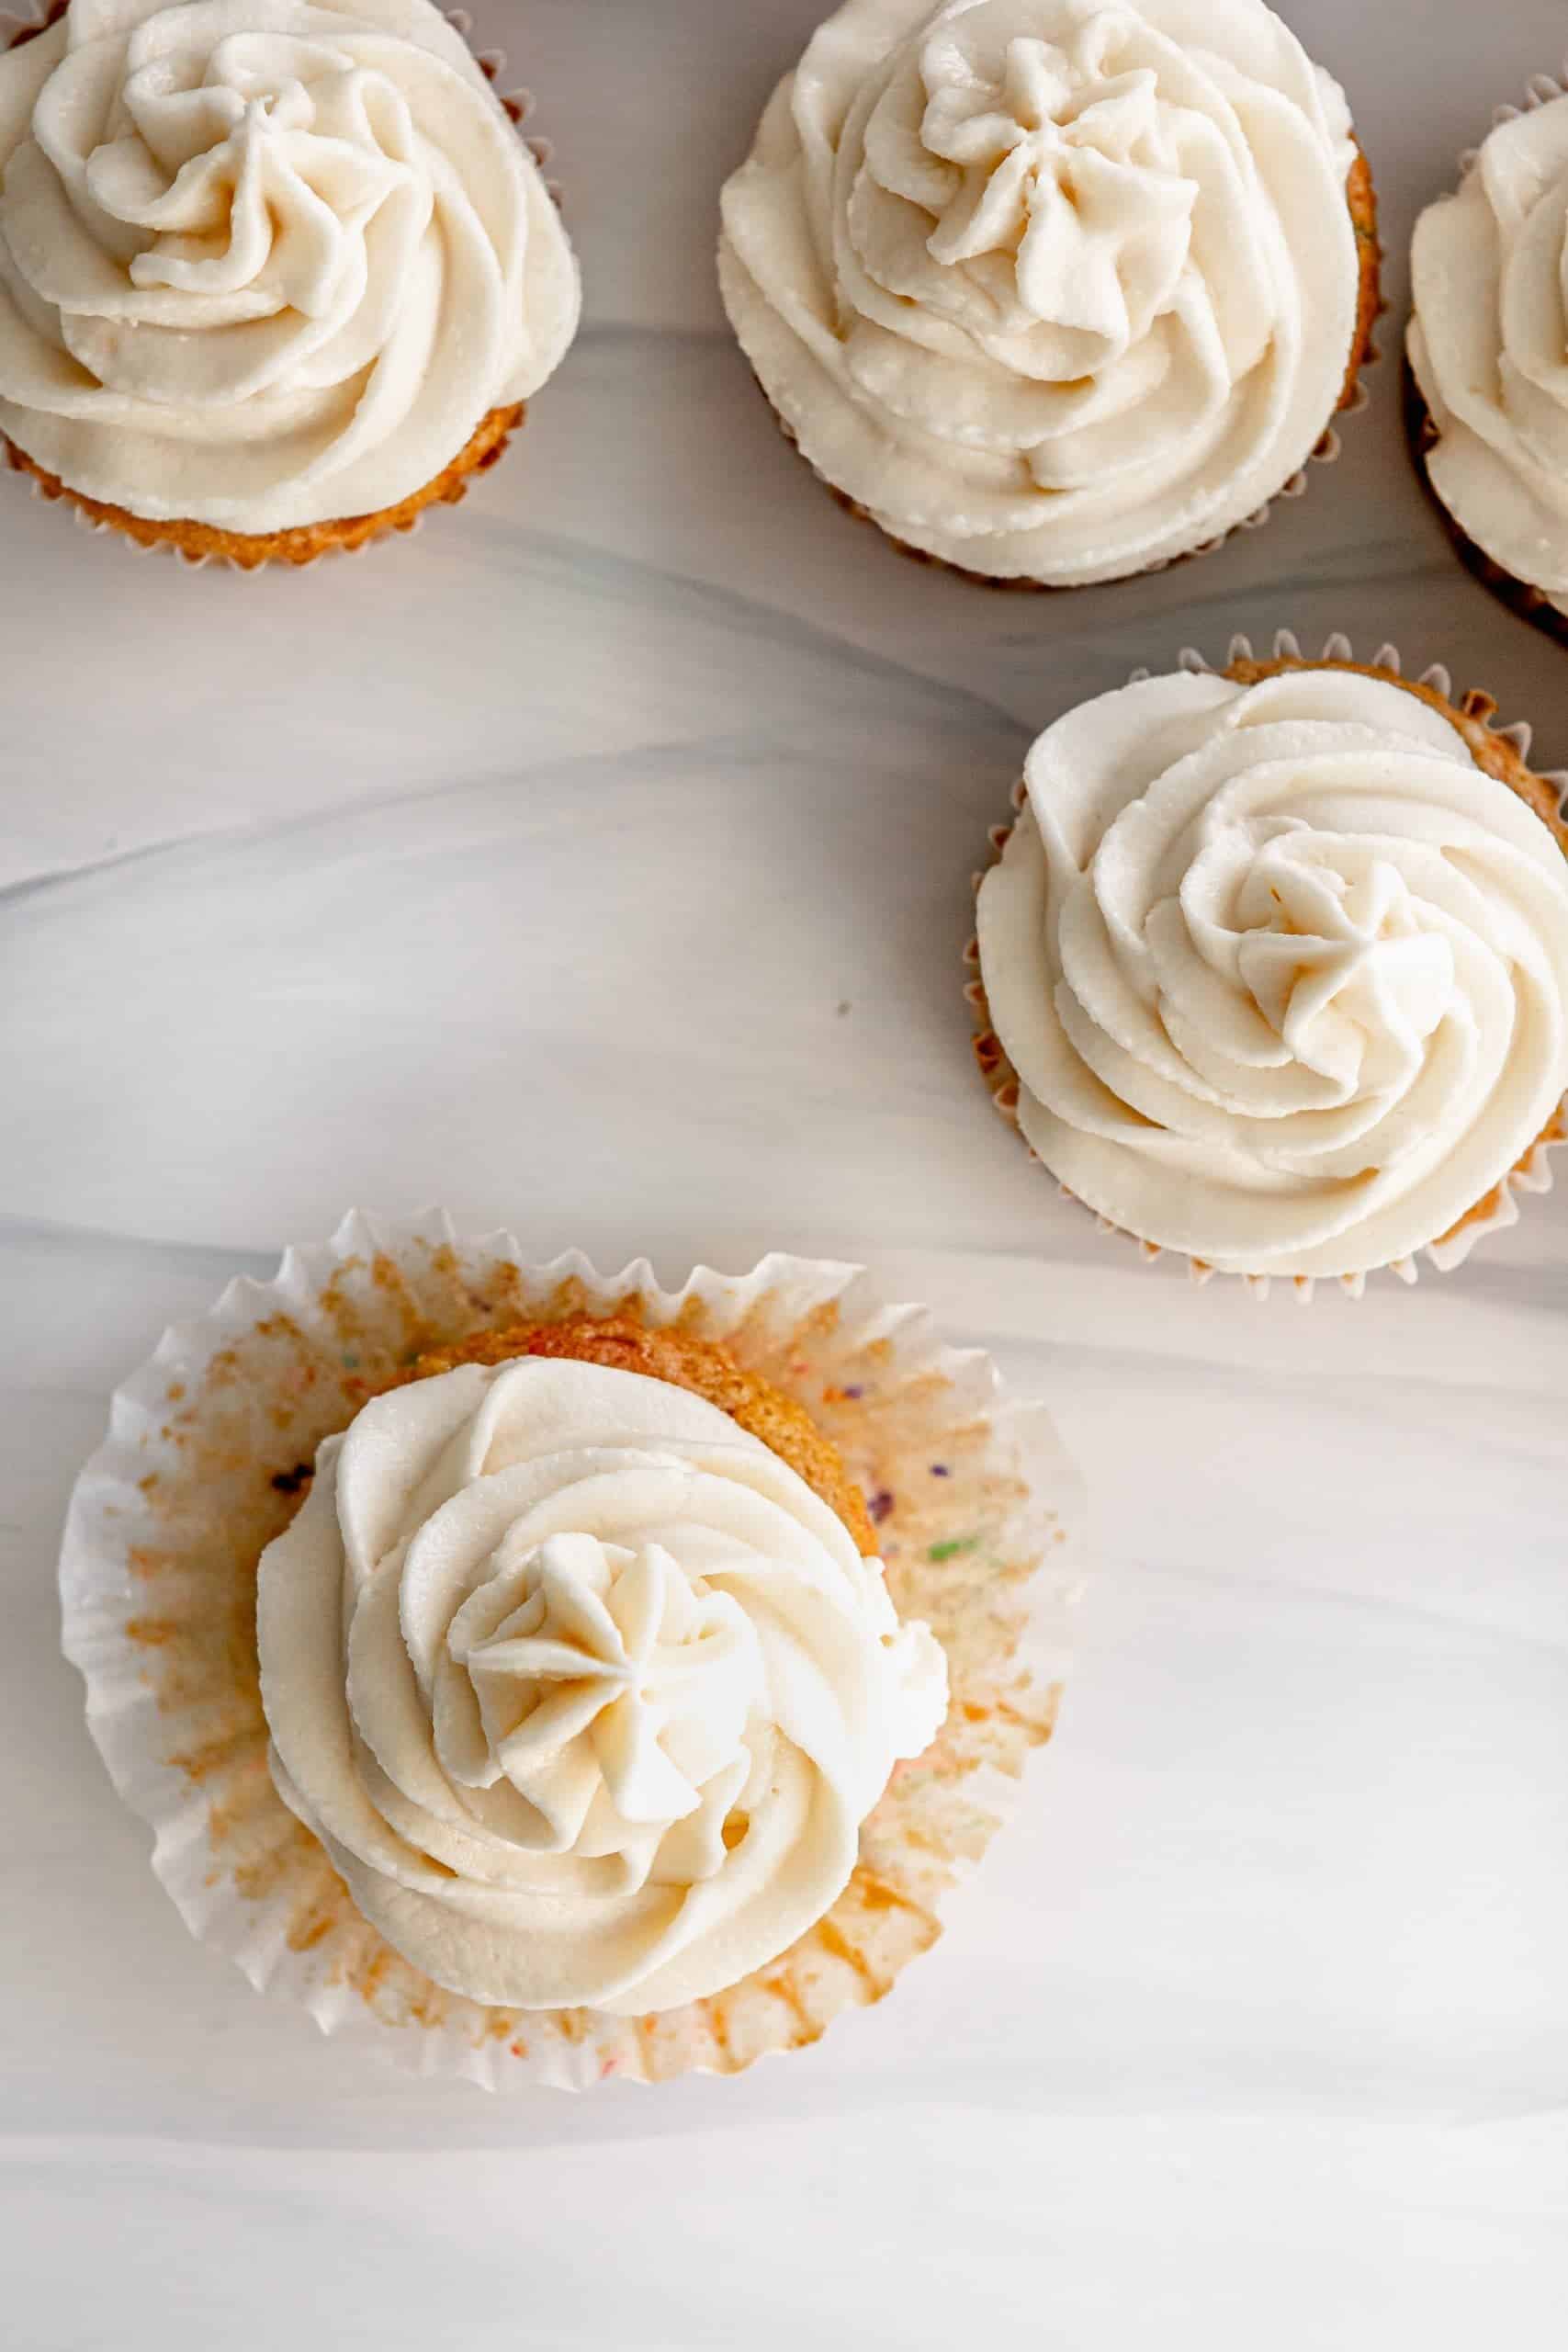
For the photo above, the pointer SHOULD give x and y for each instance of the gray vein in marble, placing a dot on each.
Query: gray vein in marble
(738, 614)
(524, 865)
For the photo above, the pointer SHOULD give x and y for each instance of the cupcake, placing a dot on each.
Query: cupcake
(275, 274)
(577, 1678)
(1486, 388)
(1273, 966)
(584, 1688)
(1049, 291)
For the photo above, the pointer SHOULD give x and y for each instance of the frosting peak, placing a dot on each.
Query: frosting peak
(235, 240)
(1282, 973)
(585, 1692)
(1055, 288)
(1057, 179)
(611, 1695)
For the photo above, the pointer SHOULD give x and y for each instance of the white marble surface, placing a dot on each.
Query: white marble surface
(596, 862)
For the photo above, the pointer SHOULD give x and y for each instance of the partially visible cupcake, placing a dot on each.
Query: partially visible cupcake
(275, 274)
(1274, 964)
(1487, 382)
(554, 1676)
(1053, 291)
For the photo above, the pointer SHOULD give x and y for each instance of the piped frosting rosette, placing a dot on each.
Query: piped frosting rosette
(585, 1691)
(1488, 344)
(554, 1644)
(265, 263)
(1053, 289)
(1279, 970)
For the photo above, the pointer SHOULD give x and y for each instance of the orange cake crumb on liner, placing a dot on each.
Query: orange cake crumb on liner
(211, 1446)
(1502, 750)
(197, 545)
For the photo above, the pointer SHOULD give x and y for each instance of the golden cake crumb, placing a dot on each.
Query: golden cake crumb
(704, 1368)
(199, 542)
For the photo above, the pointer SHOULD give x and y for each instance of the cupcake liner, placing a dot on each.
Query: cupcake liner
(1326, 451)
(1540, 91)
(1530, 604)
(89, 516)
(519, 106)
(211, 1442)
(1496, 746)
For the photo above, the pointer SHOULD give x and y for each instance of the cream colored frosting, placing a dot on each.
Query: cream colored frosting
(265, 263)
(585, 1692)
(1489, 345)
(1056, 290)
(1282, 973)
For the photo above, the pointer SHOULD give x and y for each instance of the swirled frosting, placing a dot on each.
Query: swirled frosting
(583, 1690)
(1054, 290)
(265, 263)
(1489, 345)
(1282, 973)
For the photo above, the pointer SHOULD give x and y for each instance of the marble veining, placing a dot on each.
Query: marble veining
(598, 862)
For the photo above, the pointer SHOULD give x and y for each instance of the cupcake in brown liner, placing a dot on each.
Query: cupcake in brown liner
(1485, 397)
(592, 1661)
(1273, 966)
(1051, 293)
(268, 287)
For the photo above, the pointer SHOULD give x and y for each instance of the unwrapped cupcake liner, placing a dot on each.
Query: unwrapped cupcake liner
(210, 1443)
(1532, 1173)
(519, 106)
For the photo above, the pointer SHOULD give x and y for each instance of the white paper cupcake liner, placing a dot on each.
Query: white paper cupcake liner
(1533, 1173)
(209, 1444)
(519, 105)
(1540, 91)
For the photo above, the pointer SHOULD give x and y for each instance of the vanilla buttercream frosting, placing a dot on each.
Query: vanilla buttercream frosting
(265, 263)
(1488, 342)
(585, 1691)
(1054, 290)
(1282, 973)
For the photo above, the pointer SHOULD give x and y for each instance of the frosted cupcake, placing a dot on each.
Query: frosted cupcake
(1274, 966)
(585, 1689)
(554, 1676)
(1487, 385)
(1049, 290)
(275, 274)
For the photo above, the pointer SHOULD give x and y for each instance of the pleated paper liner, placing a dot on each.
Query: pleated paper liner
(1531, 603)
(209, 1446)
(1326, 451)
(1503, 751)
(349, 535)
